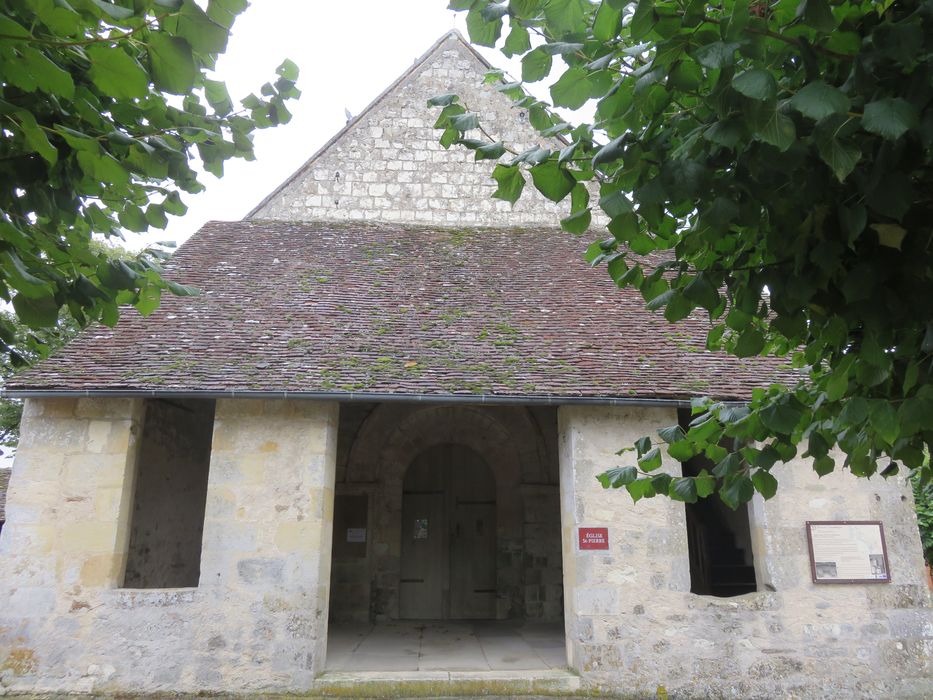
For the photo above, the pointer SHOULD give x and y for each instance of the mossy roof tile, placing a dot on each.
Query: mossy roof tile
(334, 307)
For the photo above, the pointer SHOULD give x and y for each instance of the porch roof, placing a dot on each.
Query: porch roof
(339, 308)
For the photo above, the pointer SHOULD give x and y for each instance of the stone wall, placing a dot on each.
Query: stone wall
(632, 624)
(257, 621)
(388, 165)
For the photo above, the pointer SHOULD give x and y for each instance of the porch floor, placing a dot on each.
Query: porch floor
(446, 645)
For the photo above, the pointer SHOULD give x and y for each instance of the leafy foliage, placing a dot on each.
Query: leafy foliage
(923, 497)
(36, 344)
(775, 160)
(104, 106)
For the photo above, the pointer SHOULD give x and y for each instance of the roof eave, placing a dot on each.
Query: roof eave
(351, 397)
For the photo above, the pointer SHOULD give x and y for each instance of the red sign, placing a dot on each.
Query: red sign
(593, 537)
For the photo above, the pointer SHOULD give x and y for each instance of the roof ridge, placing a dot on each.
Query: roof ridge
(452, 34)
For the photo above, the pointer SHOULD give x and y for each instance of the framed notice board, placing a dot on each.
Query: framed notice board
(848, 551)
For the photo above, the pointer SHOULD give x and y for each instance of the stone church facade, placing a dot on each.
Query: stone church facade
(200, 497)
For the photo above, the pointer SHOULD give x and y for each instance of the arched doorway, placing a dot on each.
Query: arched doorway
(448, 548)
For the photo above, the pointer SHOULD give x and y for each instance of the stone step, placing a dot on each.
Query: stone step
(446, 684)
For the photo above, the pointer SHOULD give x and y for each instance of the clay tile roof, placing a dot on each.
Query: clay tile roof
(4, 484)
(383, 309)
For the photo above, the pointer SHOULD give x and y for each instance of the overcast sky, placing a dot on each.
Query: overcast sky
(348, 53)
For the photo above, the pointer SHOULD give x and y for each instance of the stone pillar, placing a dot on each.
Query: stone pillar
(647, 556)
(267, 535)
(68, 510)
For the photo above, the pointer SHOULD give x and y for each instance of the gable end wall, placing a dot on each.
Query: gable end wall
(389, 166)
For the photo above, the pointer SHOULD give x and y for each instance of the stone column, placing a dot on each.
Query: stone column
(265, 562)
(647, 554)
(68, 510)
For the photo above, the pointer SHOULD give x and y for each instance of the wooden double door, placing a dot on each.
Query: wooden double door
(448, 553)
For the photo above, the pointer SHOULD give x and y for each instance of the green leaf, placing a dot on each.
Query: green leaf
(17, 275)
(705, 484)
(839, 156)
(489, 151)
(36, 137)
(641, 488)
(565, 16)
(617, 477)
(172, 63)
(607, 22)
(781, 417)
(577, 222)
(465, 121)
(572, 89)
(717, 54)
(701, 292)
(824, 465)
(553, 181)
(757, 84)
(818, 15)
(114, 11)
(751, 342)
(615, 203)
(889, 118)
(736, 490)
(642, 445)
(672, 434)
(517, 42)
(651, 460)
(288, 70)
(481, 30)
(612, 151)
(536, 65)
(818, 100)
(511, 183)
(778, 130)
(883, 419)
(116, 73)
(890, 235)
(643, 20)
(48, 75)
(41, 312)
(443, 100)
(683, 489)
(683, 450)
(765, 483)
(854, 412)
(207, 36)
(103, 167)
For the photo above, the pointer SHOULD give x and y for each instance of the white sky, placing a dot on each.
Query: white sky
(348, 52)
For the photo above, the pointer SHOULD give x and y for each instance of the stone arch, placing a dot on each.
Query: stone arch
(393, 435)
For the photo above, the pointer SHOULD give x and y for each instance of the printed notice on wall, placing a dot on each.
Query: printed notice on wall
(421, 529)
(852, 551)
(356, 534)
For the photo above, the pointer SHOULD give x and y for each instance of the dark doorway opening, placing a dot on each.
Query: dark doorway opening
(170, 495)
(719, 539)
(448, 548)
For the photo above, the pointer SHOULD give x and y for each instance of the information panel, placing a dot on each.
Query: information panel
(848, 551)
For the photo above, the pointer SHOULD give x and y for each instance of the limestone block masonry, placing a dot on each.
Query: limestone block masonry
(257, 620)
(633, 625)
(388, 164)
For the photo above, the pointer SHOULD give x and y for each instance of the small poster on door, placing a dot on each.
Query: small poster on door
(421, 529)
(356, 534)
(848, 552)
